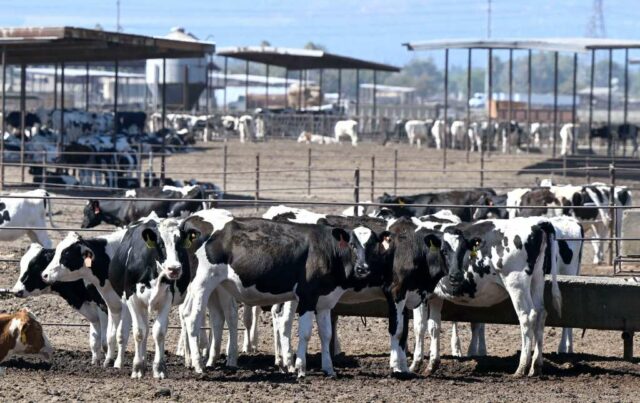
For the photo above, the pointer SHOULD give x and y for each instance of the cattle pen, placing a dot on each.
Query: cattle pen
(330, 178)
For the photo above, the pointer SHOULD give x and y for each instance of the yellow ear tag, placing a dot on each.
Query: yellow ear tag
(401, 202)
(23, 338)
(432, 247)
(150, 244)
(474, 252)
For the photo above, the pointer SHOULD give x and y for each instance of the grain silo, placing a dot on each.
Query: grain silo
(185, 78)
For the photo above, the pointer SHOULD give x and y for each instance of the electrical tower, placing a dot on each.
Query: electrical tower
(595, 27)
(118, 26)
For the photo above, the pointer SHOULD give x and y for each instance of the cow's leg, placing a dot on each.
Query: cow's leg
(159, 334)
(305, 325)
(433, 326)
(104, 324)
(419, 142)
(456, 349)
(537, 296)
(398, 357)
(123, 330)
(91, 313)
(287, 315)
(183, 310)
(566, 342)
(519, 291)
(599, 231)
(230, 309)
(216, 322)
(200, 289)
(323, 319)
(115, 316)
(275, 322)
(254, 335)
(420, 316)
(477, 340)
(140, 320)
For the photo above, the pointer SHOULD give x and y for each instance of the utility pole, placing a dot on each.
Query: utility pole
(595, 26)
(118, 26)
(488, 19)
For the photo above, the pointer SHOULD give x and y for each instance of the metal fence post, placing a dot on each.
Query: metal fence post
(257, 195)
(373, 176)
(356, 191)
(395, 171)
(150, 183)
(614, 212)
(587, 166)
(484, 140)
(224, 170)
(140, 178)
(43, 180)
(309, 171)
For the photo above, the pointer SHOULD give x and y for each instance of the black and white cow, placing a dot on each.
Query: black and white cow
(568, 261)
(454, 197)
(82, 297)
(261, 262)
(124, 212)
(490, 261)
(592, 202)
(88, 259)
(27, 210)
(147, 271)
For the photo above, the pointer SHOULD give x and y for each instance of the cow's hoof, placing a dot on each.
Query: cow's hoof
(519, 374)
(415, 366)
(108, 362)
(159, 370)
(431, 368)
(118, 363)
(330, 373)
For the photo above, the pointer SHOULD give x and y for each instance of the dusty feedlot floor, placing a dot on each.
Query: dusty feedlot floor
(595, 373)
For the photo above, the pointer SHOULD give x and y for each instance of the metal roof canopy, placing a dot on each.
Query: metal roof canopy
(300, 59)
(44, 45)
(543, 44)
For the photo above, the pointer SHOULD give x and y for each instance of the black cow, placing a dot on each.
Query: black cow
(262, 262)
(82, 297)
(125, 120)
(124, 212)
(453, 197)
(30, 119)
(628, 131)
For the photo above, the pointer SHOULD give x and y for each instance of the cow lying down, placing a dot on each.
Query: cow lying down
(22, 334)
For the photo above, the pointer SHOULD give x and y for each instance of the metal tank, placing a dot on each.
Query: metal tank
(185, 78)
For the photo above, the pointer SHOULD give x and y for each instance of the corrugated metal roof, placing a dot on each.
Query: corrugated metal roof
(545, 44)
(42, 45)
(300, 59)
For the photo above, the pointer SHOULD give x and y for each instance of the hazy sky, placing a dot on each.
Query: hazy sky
(371, 29)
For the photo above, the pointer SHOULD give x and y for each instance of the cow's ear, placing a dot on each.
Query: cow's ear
(95, 205)
(341, 236)
(434, 242)
(150, 238)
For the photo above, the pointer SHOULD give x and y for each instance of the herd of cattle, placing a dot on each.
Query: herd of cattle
(473, 248)
(507, 135)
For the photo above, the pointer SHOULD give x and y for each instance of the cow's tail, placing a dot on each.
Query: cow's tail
(551, 250)
(47, 205)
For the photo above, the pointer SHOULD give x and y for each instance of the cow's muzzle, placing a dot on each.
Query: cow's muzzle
(173, 272)
(362, 270)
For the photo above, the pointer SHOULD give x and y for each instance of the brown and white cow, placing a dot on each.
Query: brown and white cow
(20, 334)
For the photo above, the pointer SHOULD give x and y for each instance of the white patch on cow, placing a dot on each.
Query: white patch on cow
(130, 193)
(170, 233)
(28, 212)
(452, 240)
(184, 190)
(29, 255)
(362, 234)
(302, 216)
(216, 217)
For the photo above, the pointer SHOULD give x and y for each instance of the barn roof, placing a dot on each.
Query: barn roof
(43, 45)
(545, 44)
(300, 59)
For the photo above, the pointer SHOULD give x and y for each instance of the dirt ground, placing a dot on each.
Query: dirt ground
(595, 373)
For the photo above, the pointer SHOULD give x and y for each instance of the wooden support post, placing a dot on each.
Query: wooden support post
(627, 340)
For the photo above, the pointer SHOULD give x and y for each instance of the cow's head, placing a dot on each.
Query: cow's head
(72, 259)
(28, 335)
(92, 214)
(456, 253)
(161, 242)
(367, 247)
(195, 230)
(494, 206)
(32, 264)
